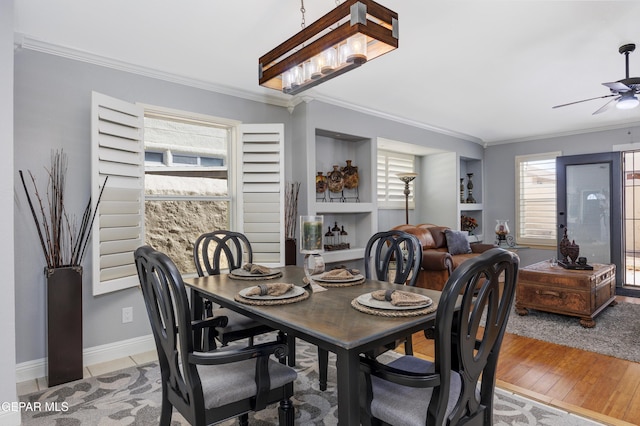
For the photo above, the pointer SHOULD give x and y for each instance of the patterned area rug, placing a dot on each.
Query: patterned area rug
(132, 397)
(617, 330)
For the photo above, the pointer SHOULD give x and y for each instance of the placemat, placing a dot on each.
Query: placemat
(394, 314)
(336, 284)
(255, 278)
(255, 302)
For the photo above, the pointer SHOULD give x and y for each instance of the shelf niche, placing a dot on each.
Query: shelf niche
(359, 218)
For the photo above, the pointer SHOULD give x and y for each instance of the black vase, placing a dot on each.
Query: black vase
(64, 324)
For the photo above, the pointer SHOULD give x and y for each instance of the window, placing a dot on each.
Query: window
(390, 188)
(204, 168)
(186, 182)
(536, 199)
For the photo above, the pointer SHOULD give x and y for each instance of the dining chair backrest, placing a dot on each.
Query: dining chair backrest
(167, 306)
(213, 251)
(476, 301)
(471, 319)
(393, 256)
(206, 387)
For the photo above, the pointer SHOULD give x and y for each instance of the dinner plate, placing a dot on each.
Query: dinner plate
(294, 292)
(370, 302)
(318, 277)
(244, 273)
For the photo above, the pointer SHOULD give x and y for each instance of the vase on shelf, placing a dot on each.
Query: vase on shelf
(321, 183)
(470, 198)
(350, 176)
(461, 190)
(336, 180)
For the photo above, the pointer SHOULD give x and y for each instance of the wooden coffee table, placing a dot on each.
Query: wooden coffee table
(580, 293)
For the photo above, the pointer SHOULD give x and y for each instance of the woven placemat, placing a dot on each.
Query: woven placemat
(257, 302)
(392, 313)
(336, 284)
(255, 278)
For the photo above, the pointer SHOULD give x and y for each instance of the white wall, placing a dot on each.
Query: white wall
(7, 308)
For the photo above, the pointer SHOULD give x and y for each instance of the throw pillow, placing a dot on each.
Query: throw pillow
(457, 242)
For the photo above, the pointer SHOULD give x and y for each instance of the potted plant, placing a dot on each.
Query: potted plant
(468, 223)
(63, 241)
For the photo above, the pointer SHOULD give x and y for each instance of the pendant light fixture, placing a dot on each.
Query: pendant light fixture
(353, 33)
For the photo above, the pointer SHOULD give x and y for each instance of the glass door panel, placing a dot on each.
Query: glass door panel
(589, 190)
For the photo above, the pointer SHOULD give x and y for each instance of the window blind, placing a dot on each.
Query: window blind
(536, 199)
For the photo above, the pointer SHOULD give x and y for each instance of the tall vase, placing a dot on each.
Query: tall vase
(64, 324)
(470, 198)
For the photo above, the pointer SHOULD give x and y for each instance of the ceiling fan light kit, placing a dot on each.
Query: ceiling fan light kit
(627, 102)
(353, 33)
(625, 90)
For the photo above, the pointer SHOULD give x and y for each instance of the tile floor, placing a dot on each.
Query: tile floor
(40, 383)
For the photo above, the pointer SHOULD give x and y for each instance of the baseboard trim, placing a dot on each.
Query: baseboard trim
(34, 369)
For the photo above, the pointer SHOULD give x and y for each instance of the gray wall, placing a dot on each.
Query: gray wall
(499, 172)
(52, 110)
(7, 302)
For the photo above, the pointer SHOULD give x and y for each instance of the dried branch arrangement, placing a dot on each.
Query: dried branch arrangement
(63, 240)
(291, 209)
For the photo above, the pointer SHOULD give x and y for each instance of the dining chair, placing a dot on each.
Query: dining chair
(207, 387)
(458, 387)
(213, 252)
(394, 256)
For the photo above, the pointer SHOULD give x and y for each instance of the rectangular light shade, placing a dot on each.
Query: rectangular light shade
(353, 33)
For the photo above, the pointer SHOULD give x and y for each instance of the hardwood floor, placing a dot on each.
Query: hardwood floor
(601, 387)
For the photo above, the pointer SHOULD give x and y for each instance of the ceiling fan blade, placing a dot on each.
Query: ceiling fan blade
(606, 106)
(585, 100)
(616, 86)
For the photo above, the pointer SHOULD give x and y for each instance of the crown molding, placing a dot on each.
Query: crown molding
(392, 117)
(23, 41)
(625, 125)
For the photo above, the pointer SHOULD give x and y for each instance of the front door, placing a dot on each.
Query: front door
(589, 189)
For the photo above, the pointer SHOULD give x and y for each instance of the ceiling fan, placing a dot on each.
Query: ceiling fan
(624, 90)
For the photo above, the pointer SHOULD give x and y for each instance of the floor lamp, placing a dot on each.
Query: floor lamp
(407, 178)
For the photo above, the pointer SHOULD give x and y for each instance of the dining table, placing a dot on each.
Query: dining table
(333, 320)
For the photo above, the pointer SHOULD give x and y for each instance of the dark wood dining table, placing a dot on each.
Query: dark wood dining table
(325, 319)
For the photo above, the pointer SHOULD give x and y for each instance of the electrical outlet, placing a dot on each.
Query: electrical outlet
(127, 314)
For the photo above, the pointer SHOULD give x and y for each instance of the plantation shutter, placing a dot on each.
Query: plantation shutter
(261, 190)
(117, 152)
(390, 188)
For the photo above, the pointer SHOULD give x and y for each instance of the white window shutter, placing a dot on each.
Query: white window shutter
(261, 190)
(117, 151)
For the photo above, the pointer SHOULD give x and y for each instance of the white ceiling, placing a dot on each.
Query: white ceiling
(488, 71)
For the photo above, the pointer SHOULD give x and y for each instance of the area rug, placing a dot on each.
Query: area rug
(617, 330)
(132, 397)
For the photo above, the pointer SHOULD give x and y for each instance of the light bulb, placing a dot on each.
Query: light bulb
(627, 102)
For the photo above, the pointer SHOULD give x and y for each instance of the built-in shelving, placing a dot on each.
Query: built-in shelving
(359, 218)
(476, 209)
